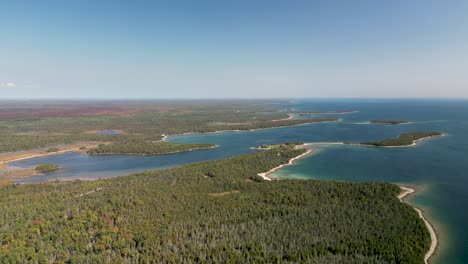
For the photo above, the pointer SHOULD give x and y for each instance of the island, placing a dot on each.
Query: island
(388, 122)
(148, 147)
(183, 215)
(406, 139)
(46, 167)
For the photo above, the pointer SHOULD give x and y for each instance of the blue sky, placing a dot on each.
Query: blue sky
(238, 49)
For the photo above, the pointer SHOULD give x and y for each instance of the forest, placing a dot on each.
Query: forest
(33, 125)
(145, 147)
(405, 139)
(210, 212)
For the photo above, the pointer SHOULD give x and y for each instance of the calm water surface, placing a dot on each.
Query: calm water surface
(437, 168)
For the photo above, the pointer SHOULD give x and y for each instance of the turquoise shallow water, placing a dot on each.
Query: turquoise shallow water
(437, 168)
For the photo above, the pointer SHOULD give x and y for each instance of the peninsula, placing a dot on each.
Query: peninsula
(146, 147)
(189, 217)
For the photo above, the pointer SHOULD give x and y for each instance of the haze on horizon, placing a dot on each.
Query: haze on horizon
(237, 49)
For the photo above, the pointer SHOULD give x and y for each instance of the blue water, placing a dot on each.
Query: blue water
(437, 168)
(109, 132)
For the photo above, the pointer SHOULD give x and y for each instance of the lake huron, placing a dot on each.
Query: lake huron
(437, 168)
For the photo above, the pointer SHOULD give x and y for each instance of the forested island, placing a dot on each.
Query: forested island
(46, 167)
(210, 212)
(389, 122)
(145, 147)
(407, 139)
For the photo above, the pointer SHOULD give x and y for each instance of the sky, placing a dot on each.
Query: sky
(140, 49)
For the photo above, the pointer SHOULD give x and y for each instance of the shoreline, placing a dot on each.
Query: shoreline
(8, 172)
(142, 154)
(414, 144)
(246, 130)
(264, 175)
(370, 123)
(328, 112)
(290, 116)
(434, 241)
(74, 149)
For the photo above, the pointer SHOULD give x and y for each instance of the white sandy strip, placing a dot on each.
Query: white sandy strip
(264, 175)
(290, 116)
(324, 143)
(434, 241)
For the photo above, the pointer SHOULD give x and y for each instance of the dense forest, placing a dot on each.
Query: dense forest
(9, 143)
(210, 212)
(403, 140)
(145, 147)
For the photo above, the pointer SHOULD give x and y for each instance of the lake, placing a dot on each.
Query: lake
(437, 168)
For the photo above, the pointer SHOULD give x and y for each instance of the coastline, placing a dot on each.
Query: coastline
(142, 154)
(264, 175)
(8, 172)
(370, 123)
(290, 116)
(415, 142)
(434, 241)
(328, 112)
(246, 130)
(404, 194)
(37, 155)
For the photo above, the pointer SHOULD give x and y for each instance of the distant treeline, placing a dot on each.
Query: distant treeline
(18, 142)
(389, 122)
(9, 142)
(210, 212)
(145, 147)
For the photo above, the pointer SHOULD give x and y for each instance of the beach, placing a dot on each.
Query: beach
(404, 194)
(434, 241)
(264, 175)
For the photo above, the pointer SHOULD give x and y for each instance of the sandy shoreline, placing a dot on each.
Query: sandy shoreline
(264, 175)
(406, 191)
(434, 241)
(290, 116)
